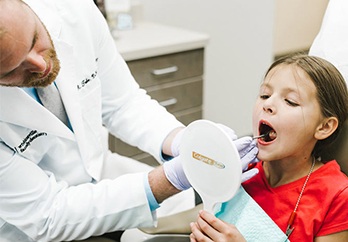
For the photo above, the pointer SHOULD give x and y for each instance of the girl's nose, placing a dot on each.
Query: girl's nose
(268, 110)
(35, 63)
(268, 106)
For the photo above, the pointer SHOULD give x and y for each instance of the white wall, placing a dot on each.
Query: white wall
(237, 55)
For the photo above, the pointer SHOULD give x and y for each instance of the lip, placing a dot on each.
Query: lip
(261, 141)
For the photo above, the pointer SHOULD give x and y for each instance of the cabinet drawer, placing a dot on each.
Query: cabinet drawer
(147, 159)
(118, 146)
(189, 115)
(161, 69)
(179, 95)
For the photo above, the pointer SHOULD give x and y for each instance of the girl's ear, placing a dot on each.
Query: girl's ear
(326, 128)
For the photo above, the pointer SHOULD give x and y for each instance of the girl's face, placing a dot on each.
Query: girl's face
(287, 106)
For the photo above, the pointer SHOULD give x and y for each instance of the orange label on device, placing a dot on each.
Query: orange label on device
(207, 160)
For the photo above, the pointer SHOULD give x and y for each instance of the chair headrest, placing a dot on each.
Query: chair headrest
(339, 149)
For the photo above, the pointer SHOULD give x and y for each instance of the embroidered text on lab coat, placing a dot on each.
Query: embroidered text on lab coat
(34, 134)
(86, 80)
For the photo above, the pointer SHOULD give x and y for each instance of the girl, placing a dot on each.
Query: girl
(301, 108)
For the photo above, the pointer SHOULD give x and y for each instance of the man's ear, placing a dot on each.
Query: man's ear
(326, 128)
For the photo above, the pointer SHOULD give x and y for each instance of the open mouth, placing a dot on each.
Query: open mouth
(266, 132)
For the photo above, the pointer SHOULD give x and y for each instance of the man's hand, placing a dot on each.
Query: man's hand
(247, 150)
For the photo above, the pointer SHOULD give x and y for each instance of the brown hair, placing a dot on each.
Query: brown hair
(332, 93)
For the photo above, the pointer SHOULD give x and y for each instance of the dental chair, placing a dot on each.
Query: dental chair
(339, 149)
(175, 228)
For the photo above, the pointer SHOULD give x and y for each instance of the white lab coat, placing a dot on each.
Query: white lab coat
(331, 43)
(46, 169)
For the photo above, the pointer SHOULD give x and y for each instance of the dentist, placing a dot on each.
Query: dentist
(53, 158)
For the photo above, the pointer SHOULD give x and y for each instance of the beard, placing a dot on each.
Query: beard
(35, 80)
(51, 59)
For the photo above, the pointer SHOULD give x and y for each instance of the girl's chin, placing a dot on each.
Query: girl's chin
(263, 157)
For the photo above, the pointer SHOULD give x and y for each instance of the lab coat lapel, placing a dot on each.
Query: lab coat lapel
(17, 107)
(66, 83)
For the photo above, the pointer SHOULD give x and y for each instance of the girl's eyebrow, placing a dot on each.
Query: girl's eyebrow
(265, 85)
(268, 85)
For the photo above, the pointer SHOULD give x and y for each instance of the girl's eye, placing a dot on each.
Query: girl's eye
(291, 103)
(264, 96)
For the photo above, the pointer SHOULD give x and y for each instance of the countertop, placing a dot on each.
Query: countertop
(147, 39)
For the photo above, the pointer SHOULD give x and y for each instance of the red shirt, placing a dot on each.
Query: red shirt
(323, 208)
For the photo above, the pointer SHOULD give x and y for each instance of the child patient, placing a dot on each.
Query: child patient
(301, 107)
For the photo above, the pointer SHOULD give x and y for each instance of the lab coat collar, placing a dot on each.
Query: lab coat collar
(18, 108)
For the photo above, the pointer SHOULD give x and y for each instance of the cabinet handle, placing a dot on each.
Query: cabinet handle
(163, 71)
(168, 102)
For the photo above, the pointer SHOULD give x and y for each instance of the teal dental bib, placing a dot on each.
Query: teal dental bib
(250, 219)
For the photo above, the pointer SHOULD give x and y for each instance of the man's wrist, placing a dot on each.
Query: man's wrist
(167, 146)
(150, 197)
(160, 186)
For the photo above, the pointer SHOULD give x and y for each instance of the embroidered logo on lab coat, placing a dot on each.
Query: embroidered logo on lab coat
(85, 81)
(34, 134)
(91, 77)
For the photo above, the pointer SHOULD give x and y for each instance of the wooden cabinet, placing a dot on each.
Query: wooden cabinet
(176, 82)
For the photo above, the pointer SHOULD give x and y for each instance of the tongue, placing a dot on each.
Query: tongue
(272, 135)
